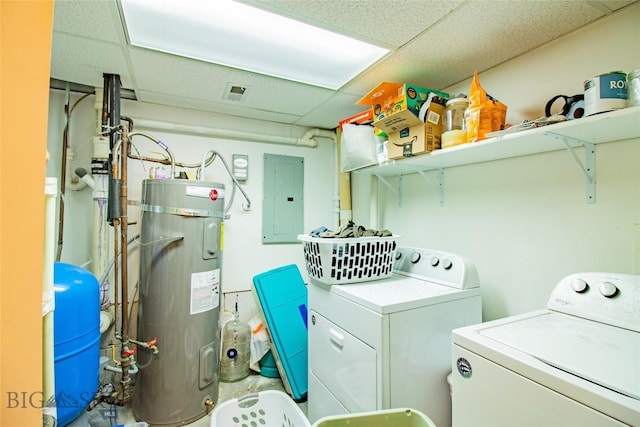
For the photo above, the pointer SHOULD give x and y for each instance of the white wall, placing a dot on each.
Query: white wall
(524, 221)
(244, 254)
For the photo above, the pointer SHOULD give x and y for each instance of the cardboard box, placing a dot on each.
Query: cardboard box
(419, 139)
(396, 106)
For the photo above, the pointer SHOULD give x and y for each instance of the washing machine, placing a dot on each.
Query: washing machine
(575, 363)
(386, 343)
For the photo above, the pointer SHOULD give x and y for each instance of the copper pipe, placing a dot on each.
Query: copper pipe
(63, 180)
(163, 161)
(124, 148)
(105, 104)
(116, 251)
(124, 280)
(166, 161)
(116, 223)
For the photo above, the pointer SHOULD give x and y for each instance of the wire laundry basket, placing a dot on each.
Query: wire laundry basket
(337, 261)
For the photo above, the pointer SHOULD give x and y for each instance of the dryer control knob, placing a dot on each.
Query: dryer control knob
(434, 261)
(579, 285)
(608, 289)
(447, 264)
(415, 257)
(398, 255)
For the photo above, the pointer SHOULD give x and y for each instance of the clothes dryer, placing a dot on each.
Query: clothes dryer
(387, 343)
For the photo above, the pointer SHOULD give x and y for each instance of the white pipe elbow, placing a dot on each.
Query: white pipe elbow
(308, 139)
(76, 184)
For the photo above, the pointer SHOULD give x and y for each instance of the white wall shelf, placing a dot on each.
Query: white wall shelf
(616, 125)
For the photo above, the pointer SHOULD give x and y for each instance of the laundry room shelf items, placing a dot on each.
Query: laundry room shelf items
(576, 136)
(338, 261)
(266, 408)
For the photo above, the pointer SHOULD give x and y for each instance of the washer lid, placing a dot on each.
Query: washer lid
(603, 354)
(399, 293)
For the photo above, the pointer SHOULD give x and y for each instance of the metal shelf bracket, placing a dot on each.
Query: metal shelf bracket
(397, 190)
(588, 167)
(439, 186)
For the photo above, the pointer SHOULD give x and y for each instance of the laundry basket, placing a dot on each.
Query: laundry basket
(337, 261)
(384, 418)
(266, 408)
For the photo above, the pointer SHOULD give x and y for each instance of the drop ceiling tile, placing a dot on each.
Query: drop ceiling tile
(391, 23)
(215, 107)
(444, 54)
(96, 19)
(157, 72)
(328, 114)
(610, 5)
(81, 60)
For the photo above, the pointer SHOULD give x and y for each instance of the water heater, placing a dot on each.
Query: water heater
(179, 299)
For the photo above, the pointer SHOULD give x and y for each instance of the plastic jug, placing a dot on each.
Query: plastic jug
(236, 349)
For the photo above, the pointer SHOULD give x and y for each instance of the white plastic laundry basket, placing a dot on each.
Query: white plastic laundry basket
(269, 408)
(337, 261)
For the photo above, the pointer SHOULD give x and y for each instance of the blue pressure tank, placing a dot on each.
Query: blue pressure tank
(76, 340)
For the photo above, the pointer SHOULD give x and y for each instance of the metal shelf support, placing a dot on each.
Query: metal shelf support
(588, 167)
(439, 186)
(397, 190)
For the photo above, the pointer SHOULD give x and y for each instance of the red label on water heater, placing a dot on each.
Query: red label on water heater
(213, 194)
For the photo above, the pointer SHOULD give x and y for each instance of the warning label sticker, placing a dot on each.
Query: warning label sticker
(205, 291)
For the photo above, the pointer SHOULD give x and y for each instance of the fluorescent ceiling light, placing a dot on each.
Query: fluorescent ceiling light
(236, 35)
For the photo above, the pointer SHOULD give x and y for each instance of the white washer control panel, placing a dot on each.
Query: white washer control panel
(608, 298)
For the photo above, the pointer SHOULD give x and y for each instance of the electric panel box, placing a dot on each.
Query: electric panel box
(283, 210)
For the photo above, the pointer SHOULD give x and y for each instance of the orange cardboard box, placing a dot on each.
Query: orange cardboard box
(396, 106)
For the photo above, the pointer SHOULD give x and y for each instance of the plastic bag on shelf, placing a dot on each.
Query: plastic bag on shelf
(485, 113)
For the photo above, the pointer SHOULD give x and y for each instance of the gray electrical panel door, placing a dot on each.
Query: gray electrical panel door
(283, 207)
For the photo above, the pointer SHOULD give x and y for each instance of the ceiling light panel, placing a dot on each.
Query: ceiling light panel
(237, 35)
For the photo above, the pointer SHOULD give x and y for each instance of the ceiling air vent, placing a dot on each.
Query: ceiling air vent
(235, 92)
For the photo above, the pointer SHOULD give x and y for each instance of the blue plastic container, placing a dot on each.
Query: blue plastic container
(268, 367)
(282, 297)
(76, 340)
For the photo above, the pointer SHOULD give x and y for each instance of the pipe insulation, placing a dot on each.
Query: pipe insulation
(307, 140)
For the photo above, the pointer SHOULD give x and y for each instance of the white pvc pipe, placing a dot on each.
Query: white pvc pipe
(48, 292)
(51, 193)
(308, 140)
(311, 134)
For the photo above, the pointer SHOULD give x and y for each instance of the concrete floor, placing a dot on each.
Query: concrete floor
(106, 416)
